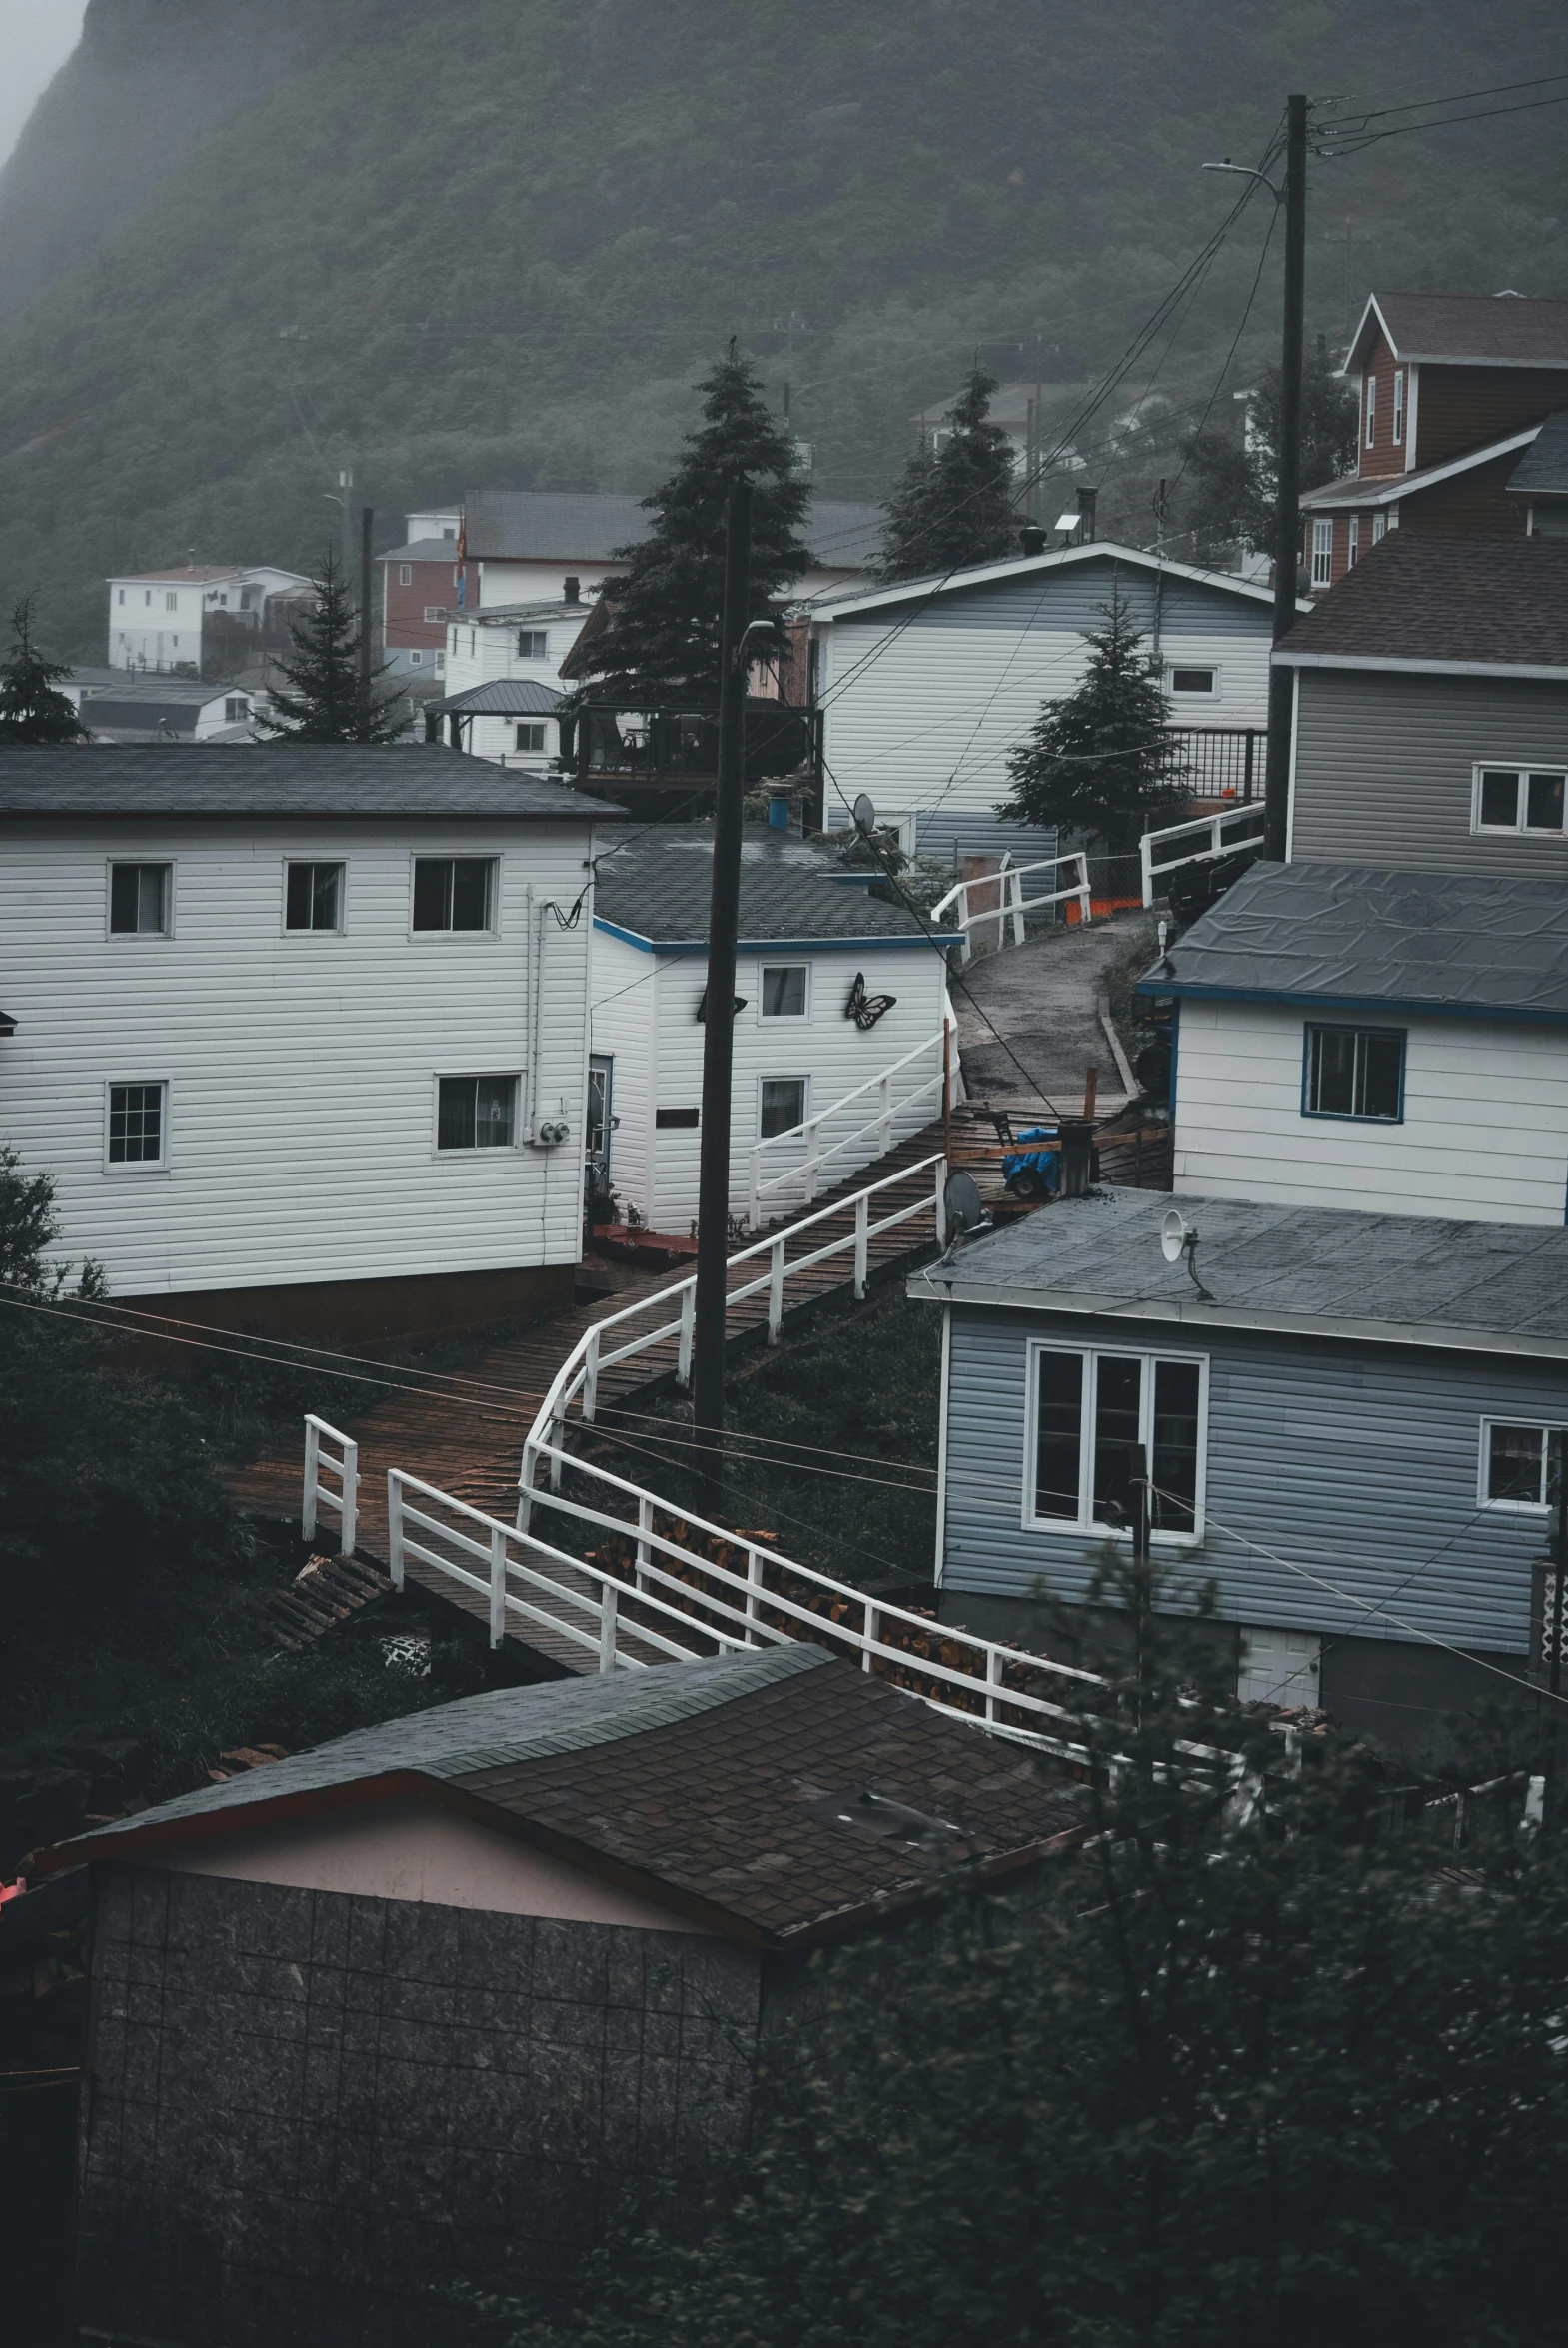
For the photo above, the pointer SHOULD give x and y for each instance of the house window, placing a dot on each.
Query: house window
(531, 735)
(1379, 527)
(314, 896)
(1399, 406)
(247, 598)
(533, 643)
(434, 612)
(1521, 1465)
(476, 1112)
(1096, 1417)
(1518, 799)
(783, 990)
(1353, 547)
(441, 662)
(782, 1106)
(416, 659)
(1355, 1072)
(121, 596)
(404, 574)
(236, 709)
(172, 601)
(453, 892)
(139, 899)
(148, 598)
(1371, 409)
(1322, 553)
(136, 1125)
(1192, 684)
(664, 1119)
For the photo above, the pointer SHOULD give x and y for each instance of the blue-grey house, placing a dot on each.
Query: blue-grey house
(1355, 1421)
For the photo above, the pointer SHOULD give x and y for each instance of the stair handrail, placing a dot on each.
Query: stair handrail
(1012, 904)
(810, 1127)
(1248, 810)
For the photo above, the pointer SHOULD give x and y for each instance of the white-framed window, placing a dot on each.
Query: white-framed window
(785, 991)
(1091, 1410)
(148, 598)
(1191, 682)
(441, 662)
(136, 1125)
(141, 901)
(236, 709)
(533, 643)
(1371, 411)
(1521, 1465)
(434, 612)
(1354, 542)
(454, 893)
(171, 600)
(416, 659)
(1519, 798)
(247, 598)
(1379, 528)
(1393, 517)
(1354, 1073)
(781, 1104)
(1322, 553)
(1399, 406)
(531, 734)
(404, 574)
(476, 1112)
(313, 896)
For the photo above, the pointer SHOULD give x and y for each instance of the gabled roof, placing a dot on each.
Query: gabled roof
(502, 697)
(1065, 558)
(1388, 489)
(654, 888)
(422, 550)
(1460, 330)
(1543, 471)
(507, 615)
(1462, 946)
(113, 780)
(1453, 606)
(581, 526)
(734, 1791)
(188, 575)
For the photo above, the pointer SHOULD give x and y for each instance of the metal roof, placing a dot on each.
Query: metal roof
(1499, 330)
(580, 526)
(1456, 945)
(1314, 1271)
(1424, 599)
(655, 887)
(504, 696)
(1543, 470)
(115, 780)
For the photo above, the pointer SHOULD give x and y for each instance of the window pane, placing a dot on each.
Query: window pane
(455, 1118)
(1514, 1467)
(493, 1099)
(1192, 680)
(135, 1125)
(324, 896)
(123, 897)
(1333, 1070)
(783, 991)
(1173, 1503)
(152, 900)
(1118, 1412)
(471, 893)
(297, 914)
(1382, 1062)
(1500, 801)
(1059, 1446)
(1544, 803)
(433, 893)
(783, 1104)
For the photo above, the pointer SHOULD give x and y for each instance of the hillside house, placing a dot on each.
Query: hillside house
(117, 706)
(523, 643)
(443, 2001)
(418, 585)
(834, 988)
(156, 619)
(1353, 1421)
(301, 1032)
(1453, 389)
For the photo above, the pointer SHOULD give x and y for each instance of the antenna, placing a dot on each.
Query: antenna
(1178, 1237)
(866, 814)
(962, 1204)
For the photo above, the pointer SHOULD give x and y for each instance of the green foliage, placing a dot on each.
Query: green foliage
(662, 644)
(328, 701)
(955, 504)
(1097, 761)
(1235, 485)
(32, 709)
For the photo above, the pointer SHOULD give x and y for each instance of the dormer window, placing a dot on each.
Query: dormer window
(1399, 407)
(1371, 411)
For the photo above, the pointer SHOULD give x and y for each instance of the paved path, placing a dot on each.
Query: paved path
(1044, 997)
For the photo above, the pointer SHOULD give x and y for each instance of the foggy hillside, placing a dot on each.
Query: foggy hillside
(494, 240)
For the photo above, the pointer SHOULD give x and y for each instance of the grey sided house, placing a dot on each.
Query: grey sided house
(436, 2002)
(1355, 1423)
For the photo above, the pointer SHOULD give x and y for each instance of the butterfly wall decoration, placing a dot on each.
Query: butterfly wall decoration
(865, 1009)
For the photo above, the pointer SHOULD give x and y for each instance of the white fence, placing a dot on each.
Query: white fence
(1221, 835)
(346, 1468)
(1009, 903)
(901, 1109)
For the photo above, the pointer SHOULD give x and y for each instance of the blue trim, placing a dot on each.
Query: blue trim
(779, 945)
(1370, 1003)
(1350, 1116)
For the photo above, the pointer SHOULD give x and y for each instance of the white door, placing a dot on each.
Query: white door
(1280, 1667)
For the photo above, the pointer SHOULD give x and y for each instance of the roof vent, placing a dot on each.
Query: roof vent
(1033, 538)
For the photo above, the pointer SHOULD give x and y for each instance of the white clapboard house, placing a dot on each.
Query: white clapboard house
(503, 679)
(300, 1033)
(839, 1050)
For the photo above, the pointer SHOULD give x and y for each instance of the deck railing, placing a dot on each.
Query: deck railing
(1198, 841)
(346, 1468)
(900, 1111)
(1221, 761)
(1009, 901)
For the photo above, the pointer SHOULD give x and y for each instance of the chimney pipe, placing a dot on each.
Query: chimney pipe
(1033, 538)
(571, 588)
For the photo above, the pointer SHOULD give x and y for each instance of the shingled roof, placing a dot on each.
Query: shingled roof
(1428, 601)
(654, 886)
(338, 779)
(777, 1798)
(1499, 330)
(1543, 469)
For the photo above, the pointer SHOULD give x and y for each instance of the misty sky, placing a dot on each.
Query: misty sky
(36, 38)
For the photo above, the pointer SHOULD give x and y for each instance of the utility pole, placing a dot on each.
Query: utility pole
(712, 1195)
(367, 617)
(1287, 524)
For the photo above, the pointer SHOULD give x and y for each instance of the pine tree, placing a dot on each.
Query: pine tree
(1236, 481)
(328, 702)
(1099, 760)
(955, 507)
(660, 648)
(32, 709)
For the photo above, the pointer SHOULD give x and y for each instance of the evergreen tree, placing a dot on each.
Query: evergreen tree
(1099, 760)
(659, 646)
(32, 709)
(327, 701)
(954, 506)
(1237, 481)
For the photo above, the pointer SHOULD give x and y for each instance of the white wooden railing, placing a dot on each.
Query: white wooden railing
(899, 1114)
(1221, 835)
(1011, 903)
(346, 1468)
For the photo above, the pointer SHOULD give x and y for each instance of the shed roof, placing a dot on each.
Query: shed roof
(579, 526)
(1471, 946)
(115, 780)
(733, 1789)
(655, 886)
(1543, 469)
(1311, 1271)
(505, 696)
(1458, 605)
(1498, 330)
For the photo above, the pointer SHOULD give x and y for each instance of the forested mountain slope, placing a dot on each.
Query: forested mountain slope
(495, 240)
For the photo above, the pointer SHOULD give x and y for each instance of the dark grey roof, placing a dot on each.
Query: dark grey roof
(580, 526)
(1500, 330)
(1442, 602)
(124, 684)
(505, 696)
(421, 550)
(281, 779)
(1471, 946)
(1489, 1287)
(658, 883)
(1543, 469)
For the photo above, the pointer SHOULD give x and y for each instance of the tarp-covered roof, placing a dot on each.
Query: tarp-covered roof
(1470, 945)
(656, 884)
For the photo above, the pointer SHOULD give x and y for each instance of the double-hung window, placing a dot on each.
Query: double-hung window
(1371, 411)
(783, 990)
(476, 1112)
(1518, 799)
(138, 1125)
(1521, 1464)
(139, 899)
(1354, 1072)
(1399, 406)
(780, 1105)
(1096, 1418)
(1322, 553)
(314, 898)
(1354, 542)
(404, 574)
(453, 892)
(533, 643)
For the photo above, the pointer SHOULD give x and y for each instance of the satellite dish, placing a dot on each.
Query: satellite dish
(961, 1202)
(1174, 1232)
(864, 813)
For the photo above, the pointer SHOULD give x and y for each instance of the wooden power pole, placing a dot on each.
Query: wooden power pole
(367, 617)
(712, 1195)
(1288, 520)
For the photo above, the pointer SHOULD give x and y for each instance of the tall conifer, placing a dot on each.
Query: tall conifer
(1099, 760)
(954, 506)
(32, 708)
(327, 701)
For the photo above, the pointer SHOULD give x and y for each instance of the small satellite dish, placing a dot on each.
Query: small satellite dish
(1069, 520)
(961, 1202)
(866, 812)
(1174, 1232)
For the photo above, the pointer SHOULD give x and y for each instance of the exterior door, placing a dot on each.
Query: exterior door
(601, 1121)
(1280, 1667)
